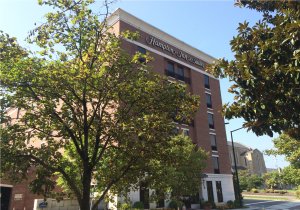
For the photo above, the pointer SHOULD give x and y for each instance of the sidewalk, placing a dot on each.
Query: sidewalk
(285, 205)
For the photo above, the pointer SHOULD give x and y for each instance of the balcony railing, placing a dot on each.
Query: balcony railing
(177, 76)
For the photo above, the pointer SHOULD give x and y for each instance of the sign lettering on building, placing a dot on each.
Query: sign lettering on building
(150, 40)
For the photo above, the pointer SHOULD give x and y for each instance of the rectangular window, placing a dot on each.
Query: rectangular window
(208, 100)
(213, 142)
(170, 67)
(219, 191)
(216, 165)
(142, 51)
(170, 71)
(211, 121)
(180, 73)
(18, 197)
(206, 82)
(175, 130)
(186, 132)
(144, 195)
(210, 191)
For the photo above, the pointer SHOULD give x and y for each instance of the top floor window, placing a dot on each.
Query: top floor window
(170, 67)
(180, 71)
(176, 71)
(142, 51)
(206, 81)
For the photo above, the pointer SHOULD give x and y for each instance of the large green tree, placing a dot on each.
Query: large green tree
(88, 110)
(274, 180)
(287, 146)
(291, 175)
(265, 70)
(249, 181)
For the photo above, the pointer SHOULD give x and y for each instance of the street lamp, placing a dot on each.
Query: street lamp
(238, 195)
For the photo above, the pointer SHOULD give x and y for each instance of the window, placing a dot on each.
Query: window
(216, 165)
(170, 67)
(180, 73)
(142, 51)
(211, 121)
(219, 191)
(206, 82)
(213, 142)
(210, 191)
(186, 132)
(176, 71)
(18, 197)
(175, 130)
(144, 194)
(208, 100)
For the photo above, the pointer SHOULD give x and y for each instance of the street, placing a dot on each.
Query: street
(271, 204)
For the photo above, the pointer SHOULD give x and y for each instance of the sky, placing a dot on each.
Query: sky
(206, 25)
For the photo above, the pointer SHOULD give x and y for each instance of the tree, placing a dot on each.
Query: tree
(291, 175)
(88, 110)
(249, 181)
(287, 146)
(265, 70)
(181, 180)
(273, 179)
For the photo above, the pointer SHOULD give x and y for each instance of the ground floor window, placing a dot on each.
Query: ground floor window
(210, 191)
(144, 195)
(219, 191)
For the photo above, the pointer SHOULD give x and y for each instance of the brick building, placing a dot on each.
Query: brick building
(185, 64)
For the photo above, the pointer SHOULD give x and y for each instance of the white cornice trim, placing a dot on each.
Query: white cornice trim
(218, 176)
(6, 185)
(170, 58)
(124, 16)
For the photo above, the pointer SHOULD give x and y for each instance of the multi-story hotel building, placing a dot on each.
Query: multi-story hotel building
(184, 64)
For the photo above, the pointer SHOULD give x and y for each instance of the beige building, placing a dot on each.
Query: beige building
(247, 158)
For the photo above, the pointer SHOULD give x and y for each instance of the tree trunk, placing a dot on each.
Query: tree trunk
(86, 190)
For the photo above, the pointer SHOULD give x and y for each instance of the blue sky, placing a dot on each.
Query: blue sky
(206, 25)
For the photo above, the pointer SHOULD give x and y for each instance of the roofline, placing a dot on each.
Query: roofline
(120, 14)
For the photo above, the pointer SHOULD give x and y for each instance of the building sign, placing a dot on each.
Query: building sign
(43, 204)
(180, 54)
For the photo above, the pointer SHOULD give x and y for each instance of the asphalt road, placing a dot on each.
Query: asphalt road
(271, 204)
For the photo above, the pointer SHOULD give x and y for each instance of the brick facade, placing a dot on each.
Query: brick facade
(194, 66)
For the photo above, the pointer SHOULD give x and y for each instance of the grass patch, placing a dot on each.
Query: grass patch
(258, 197)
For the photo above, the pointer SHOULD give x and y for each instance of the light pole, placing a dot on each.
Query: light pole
(238, 194)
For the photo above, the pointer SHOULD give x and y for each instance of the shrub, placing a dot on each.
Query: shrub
(236, 204)
(230, 204)
(254, 190)
(280, 191)
(173, 204)
(124, 206)
(298, 192)
(138, 205)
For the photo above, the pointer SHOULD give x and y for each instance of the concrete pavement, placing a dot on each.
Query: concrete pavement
(272, 205)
